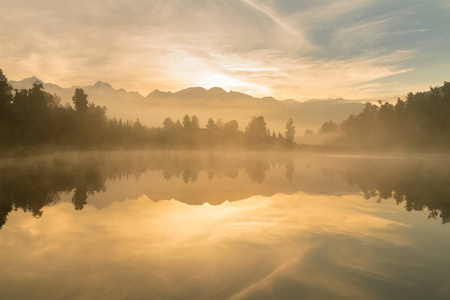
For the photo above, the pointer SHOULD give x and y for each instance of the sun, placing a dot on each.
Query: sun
(228, 83)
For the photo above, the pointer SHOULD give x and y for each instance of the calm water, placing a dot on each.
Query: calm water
(135, 225)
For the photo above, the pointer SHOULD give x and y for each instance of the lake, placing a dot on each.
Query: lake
(249, 225)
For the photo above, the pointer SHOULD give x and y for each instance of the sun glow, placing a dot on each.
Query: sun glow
(227, 82)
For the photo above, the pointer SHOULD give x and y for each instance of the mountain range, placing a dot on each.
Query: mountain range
(215, 102)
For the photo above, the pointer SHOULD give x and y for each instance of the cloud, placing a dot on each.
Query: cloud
(445, 4)
(279, 21)
(285, 48)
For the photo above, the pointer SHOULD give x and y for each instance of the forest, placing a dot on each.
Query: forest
(422, 123)
(32, 117)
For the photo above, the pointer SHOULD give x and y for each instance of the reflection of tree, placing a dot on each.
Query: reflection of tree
(79, 198)
(5, 208)
(32, 184)
(290, 169)
(417, 185)
(256, 170)
(188, 167)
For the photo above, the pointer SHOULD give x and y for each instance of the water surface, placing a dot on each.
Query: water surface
(177, 225)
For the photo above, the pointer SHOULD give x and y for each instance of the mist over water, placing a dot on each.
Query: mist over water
(216, 225)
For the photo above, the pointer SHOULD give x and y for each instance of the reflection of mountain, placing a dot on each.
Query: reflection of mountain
(196, 178)
(214, 102)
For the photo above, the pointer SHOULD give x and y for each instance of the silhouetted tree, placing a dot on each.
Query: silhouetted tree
(168, 123)
(290, 131)
(6, 112)
(329, 127)
(419, 122)
(231, 126)
(5, 96)
(256, 131)
(187, 123)
(194, 122)
(80, 101)
(274, 137)
(35, 117)
(211, 125)
(280, 137)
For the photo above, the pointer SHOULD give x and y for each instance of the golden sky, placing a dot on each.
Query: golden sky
(284, 48)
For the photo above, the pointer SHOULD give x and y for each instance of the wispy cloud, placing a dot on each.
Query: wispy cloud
(266, 10)
(284, 48)
(445, 4)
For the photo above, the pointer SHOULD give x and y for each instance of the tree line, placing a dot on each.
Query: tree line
(30, 117)
(420, 122)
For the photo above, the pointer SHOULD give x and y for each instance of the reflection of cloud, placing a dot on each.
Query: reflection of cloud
(236, 249)
(268, 280)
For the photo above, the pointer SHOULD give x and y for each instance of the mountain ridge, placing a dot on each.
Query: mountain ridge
(214, 102)
(27, 83)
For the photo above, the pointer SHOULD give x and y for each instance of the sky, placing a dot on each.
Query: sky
(366, 49)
